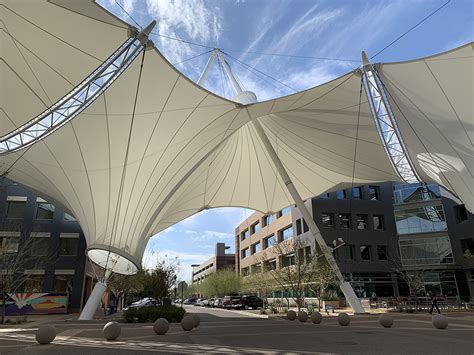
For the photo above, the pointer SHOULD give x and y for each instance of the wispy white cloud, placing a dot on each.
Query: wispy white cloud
(209, 235)
(184, 19)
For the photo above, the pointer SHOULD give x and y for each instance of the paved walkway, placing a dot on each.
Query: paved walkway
(230, 332)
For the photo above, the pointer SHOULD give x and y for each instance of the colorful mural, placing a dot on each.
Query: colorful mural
(36, 303)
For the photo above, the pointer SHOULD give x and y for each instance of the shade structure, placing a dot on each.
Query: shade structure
(155, 148)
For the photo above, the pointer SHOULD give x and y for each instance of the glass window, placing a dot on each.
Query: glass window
(284, 211)
(34, 283)
(305, 226)
(357, 193)
(255, 228)
(9, 245)
(269, 241)
(324, 196)
(361, 221)
(374, 193)
(68, 246)
(39, 246)
(270, 264)
(68, 218)
(365, 252)
(44, 210)
(426, 251)
(345, 221)
(245, 234)
(298, 227)
(345, 252)
(256, 247)
(416, 192)
(63, 283)
(420, 219)
(257, 268)
(288, 260)
(327, 219)
(461, 213)
(341, 194)
(286, 233)
(382, 252)
(245, 253)
(378, 222)
(266, 220)
(16, 209)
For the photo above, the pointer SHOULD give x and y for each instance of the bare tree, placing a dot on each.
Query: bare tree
(260, 282)
(323, 277)
(16, 246)
(413, 277)
(126, 285)
(159, 281)
(297, 268)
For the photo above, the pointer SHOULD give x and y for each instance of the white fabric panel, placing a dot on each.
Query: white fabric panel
(127, 177)
(432, 99)
(48, 49)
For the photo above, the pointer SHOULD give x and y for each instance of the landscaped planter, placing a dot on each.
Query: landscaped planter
(334, 304)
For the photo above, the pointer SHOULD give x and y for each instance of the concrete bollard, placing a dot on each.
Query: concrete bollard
(440, 321)
(111, 330)
(344, 319)
(291, 315)
(386, 320)
(45, 334)
(187, 323)
(161, 326)
(302, 316)
(316, 317)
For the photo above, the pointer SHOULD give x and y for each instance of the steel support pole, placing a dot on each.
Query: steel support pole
(205, 72)
(345, 286)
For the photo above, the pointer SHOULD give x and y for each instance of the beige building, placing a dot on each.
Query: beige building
(220, 260)
(255, 236)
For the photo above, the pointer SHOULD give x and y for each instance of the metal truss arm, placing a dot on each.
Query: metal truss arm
(386, 123)
(79, 98)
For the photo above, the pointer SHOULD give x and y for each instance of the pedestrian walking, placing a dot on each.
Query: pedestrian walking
(434, 302)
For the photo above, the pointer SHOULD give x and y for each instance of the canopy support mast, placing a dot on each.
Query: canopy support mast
(247, 97)
(386, 123)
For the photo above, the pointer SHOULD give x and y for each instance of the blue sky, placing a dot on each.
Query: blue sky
(323, 29)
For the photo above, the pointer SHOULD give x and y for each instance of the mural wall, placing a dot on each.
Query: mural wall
(36, 303)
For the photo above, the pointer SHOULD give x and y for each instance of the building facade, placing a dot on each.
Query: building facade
(49, 241)
(220, 260)
(377, 232)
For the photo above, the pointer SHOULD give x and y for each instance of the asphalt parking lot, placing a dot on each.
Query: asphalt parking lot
(223, 331)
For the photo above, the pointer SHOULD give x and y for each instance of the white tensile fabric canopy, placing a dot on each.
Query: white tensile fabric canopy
(126, 177)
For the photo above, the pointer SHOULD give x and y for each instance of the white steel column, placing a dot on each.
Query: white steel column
(205, 72)
(345, 286)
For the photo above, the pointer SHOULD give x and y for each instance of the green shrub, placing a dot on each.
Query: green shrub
(150, 314)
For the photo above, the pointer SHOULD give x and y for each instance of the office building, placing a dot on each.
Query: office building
(377, 232)
(220, 260)
(49, 240)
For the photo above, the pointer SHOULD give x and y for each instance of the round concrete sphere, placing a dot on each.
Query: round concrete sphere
(161, 326)
(440, 321)
(291, 315)
(386, 320)
(187, 323)
(316, 317)
(111, 330)
(343, 319)
(302, 316)
(197, 320)
(45, 334)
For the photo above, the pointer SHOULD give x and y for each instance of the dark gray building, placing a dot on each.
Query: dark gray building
(421, 228)
(49, 239)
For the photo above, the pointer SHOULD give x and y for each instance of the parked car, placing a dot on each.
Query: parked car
(144, 302)
(204, 302)
(232, 302)
(210, 302)
(190, 301)
(253, 302)
(217, 303)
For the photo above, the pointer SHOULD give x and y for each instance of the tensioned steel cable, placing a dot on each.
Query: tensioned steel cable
(120, 5)
(410, 29)
(191, 58)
